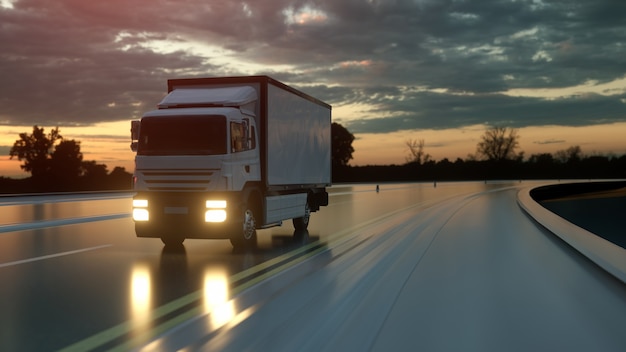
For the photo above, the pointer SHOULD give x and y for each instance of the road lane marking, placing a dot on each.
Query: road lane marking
(59, 222)
(42, 198)
(49, 256)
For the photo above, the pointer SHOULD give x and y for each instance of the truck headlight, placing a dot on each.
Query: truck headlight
(220, 204)
(141, 214)
(140, 203)
(216, 211)
(140, 210)
(215, 215)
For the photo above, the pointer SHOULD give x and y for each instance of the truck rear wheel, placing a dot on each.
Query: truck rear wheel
(303, 223)
(244, 234)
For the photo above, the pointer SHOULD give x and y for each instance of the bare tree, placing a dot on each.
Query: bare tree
(416, 152)
(498, 144)
(569, 155)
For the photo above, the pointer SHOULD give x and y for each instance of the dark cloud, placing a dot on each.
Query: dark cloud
(425, 110)
(74, 62)
(550, 141)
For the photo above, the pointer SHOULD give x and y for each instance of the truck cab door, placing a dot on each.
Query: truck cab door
(244, 156)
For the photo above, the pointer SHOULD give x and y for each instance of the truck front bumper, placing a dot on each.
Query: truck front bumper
(188, 215)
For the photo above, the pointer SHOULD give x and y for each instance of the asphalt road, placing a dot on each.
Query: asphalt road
(454, 267)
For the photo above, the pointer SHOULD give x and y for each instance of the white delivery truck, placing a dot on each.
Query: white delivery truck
(222, 157)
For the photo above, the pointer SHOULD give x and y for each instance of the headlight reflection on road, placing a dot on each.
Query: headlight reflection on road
(217, 302)
(140, 296)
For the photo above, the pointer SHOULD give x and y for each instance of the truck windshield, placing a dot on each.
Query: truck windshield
(182, 135)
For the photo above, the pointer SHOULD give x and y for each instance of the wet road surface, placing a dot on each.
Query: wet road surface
(414, 266)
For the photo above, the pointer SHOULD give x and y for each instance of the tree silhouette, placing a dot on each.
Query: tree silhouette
(416, 150)
(66, 162)
(59, 166)
(341, 145)
(570, 155)
(93, 171)
(35, 150)
(498, 144)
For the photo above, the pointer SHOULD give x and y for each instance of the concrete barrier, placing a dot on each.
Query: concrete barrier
(607, 255)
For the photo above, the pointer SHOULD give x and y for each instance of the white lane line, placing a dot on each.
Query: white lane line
(49, 256)
(59, 222)
(30, 199)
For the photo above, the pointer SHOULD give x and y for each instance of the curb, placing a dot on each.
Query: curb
(607, 255)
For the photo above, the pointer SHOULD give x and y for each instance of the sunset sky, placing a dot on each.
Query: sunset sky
(437, 70)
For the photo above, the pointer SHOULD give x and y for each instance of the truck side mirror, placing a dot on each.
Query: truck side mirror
(252, 139)
(133, 146)
(134, 129)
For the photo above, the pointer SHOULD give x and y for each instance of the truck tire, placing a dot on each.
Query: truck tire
(244, 233)
(302, 223)
(172, 240)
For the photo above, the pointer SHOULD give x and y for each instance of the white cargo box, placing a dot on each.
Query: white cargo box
(294, 128)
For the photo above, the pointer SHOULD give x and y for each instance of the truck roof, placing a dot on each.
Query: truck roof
(177, 83)
(225, 96)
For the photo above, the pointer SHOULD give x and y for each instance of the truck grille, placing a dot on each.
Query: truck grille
(177, 180)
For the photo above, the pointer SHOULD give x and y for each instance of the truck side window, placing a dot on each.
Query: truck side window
(242, 137)
(237, 137)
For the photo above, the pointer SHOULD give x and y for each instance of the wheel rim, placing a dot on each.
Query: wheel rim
(249, 224)
(307, 214)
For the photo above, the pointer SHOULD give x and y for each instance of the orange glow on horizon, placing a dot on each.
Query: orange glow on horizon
(108, 143)
(390, 148)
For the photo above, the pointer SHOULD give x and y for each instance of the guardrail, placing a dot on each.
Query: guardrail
(607, 255)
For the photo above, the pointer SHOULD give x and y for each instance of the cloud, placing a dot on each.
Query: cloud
(408, 64)
(428, 110)
(550, 141)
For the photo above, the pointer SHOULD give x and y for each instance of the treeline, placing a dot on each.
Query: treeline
(56, 165)
(541, 166)
(496, 158)
(117, 180)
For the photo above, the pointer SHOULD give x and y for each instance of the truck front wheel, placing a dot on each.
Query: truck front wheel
(172, 240)
(244, 234)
